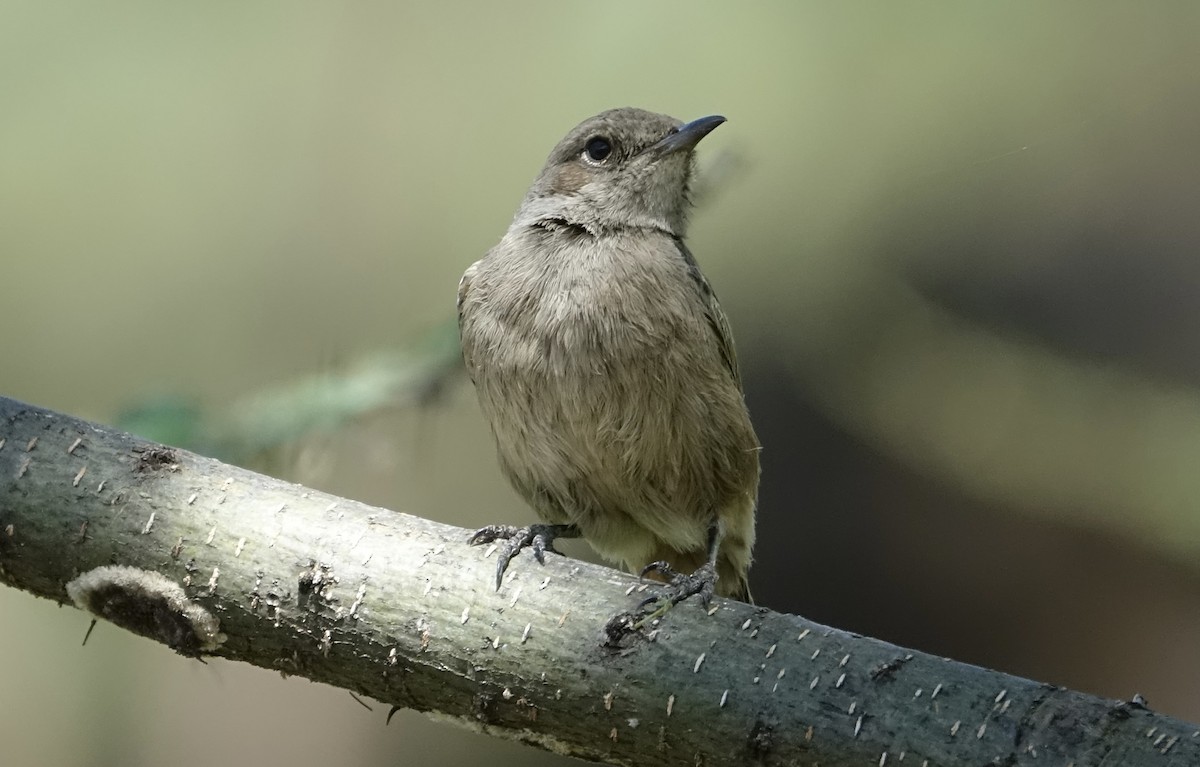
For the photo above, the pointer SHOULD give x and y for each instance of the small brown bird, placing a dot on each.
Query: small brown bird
(606, 368)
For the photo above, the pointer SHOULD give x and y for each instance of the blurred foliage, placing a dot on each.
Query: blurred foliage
(255, 426)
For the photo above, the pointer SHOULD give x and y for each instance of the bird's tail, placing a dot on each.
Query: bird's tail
(735, 586)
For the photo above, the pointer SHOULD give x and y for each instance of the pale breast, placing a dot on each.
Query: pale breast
(604, 385)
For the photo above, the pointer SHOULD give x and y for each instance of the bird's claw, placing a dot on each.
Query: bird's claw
(491, 533)
(680, 586)
(539, 538)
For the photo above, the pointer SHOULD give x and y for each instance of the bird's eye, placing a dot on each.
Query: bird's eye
(597, 149)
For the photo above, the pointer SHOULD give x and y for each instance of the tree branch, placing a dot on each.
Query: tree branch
(168, 544)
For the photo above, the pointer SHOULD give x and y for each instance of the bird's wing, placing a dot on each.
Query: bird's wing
(464, 287)
(713, 313)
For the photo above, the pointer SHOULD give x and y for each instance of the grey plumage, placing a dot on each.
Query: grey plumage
(604, 363)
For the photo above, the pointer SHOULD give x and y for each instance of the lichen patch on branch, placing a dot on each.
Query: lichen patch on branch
(149, 604)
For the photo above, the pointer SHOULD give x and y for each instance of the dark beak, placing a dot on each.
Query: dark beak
(686, 136)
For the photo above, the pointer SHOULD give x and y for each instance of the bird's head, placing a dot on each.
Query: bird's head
(622, 168)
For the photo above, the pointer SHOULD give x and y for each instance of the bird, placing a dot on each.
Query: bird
(606, 368)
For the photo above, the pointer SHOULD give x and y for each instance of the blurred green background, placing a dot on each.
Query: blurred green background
(957, 243)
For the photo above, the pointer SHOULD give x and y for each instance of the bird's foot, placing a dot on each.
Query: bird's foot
(680, 586)
(540, 538)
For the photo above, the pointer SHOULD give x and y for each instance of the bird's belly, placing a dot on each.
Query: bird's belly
(609, 430)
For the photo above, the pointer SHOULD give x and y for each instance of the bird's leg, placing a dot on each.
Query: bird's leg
(540, 538)
(680, 586)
